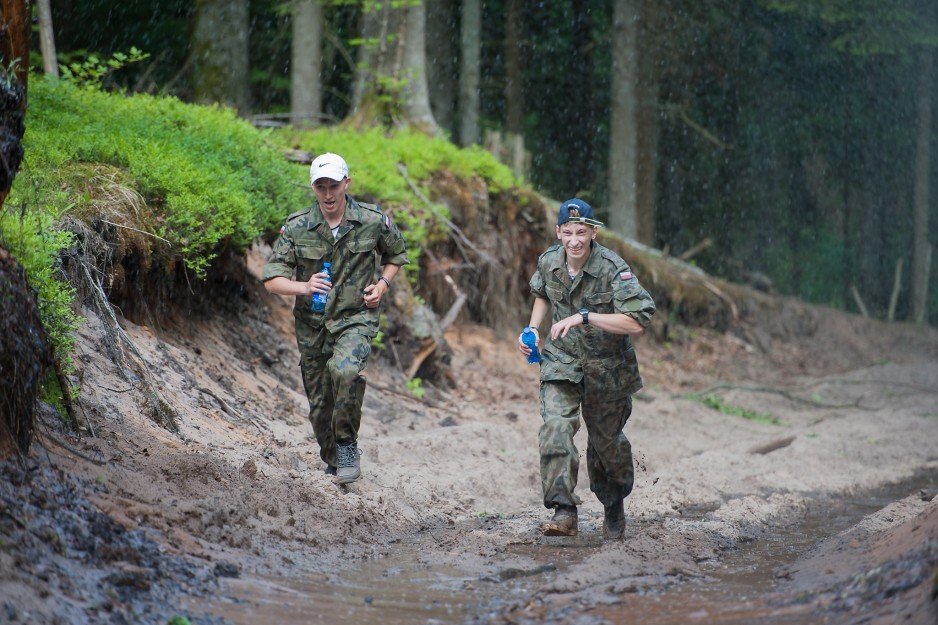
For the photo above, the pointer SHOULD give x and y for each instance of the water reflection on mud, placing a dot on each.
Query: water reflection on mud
(394, 590)
(402, 589)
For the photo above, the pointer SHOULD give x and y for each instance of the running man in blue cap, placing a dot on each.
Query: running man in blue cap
(588, 367)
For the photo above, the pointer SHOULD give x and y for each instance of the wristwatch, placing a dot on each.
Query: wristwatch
(586, 316)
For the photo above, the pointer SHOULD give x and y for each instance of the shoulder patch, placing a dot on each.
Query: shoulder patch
(626, 275)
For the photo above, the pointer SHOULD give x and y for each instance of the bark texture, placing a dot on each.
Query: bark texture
(220, 46)
(921, 249)
(306, 63)
(470, 45)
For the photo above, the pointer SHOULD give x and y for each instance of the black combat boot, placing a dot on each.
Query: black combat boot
(614, 521)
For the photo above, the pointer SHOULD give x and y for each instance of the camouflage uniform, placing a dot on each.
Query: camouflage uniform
(588, 368)
(335, 345)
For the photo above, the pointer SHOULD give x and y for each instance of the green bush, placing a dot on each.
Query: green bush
(210, 177)
(207, 177)
(34, 242)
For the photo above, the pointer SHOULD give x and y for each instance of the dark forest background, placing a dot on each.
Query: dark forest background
(788, 144)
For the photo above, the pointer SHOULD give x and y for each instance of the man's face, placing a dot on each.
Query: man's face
(331, 194)
(576, 238)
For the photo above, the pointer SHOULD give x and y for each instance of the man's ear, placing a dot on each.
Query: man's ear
(557, 230)
(595, 232)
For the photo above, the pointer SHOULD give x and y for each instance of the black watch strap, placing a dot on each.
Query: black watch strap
(586, 316)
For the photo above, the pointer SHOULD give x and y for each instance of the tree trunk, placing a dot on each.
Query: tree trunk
(374, 29)
(469, 76)
(14, 45)
(646, 178)
(220, 46)
(50, 64)
(514, 74)
(391, 82)
(624, 120)
(416, 91)
(306, 64)
(442, 62)
(921, 250)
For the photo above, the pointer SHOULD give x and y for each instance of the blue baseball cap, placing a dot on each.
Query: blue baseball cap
(577, 211)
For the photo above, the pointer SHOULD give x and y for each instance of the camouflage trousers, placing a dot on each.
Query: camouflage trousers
(608, 451)
(331, 365)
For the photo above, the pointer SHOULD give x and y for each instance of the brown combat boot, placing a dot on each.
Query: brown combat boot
(348, 468)
(563, 523)
(614, 521)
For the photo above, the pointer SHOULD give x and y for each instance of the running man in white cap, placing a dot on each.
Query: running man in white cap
(335, 344)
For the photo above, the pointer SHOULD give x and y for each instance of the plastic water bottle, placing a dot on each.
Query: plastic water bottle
(319, 299)
(529, 338)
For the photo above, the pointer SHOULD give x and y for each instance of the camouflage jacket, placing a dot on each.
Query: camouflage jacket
(365, 236)
(605, 285)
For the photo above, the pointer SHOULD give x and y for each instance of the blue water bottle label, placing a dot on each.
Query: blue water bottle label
(529, 338)
(318, 303)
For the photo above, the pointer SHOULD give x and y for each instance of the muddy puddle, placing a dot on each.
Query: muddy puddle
(403, 589)
(394, 590)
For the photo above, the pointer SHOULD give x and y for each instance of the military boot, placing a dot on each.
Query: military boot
(563, 523)
(347, 466)
(614, 521)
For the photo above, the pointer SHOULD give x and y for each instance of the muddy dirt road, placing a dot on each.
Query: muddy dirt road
(781, 487)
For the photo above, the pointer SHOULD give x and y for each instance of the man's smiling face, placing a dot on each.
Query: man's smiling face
(576, 238)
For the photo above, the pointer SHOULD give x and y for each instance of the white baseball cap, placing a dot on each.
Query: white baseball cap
(330, 166)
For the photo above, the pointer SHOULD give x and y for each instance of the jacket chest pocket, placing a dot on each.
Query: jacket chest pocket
(556, 294)
(362, 245)
(599, 302)
(309, 260)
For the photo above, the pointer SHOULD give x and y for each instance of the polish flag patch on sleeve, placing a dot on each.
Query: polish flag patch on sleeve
(283, 228)
(625, 275)
(387, 222)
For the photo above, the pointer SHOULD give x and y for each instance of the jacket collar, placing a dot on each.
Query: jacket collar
(593, 264)
(353, 212)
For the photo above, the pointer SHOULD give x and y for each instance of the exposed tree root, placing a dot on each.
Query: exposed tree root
(162, 412)
(786, 393)
(229, 410)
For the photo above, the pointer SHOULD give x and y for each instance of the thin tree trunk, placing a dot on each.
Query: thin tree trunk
(50, 63)
(220, 46)
(646, 165)
(469, 76)
(306, 63)
(921, 251)
(624, 123)
(514, 72)
(442, 62)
